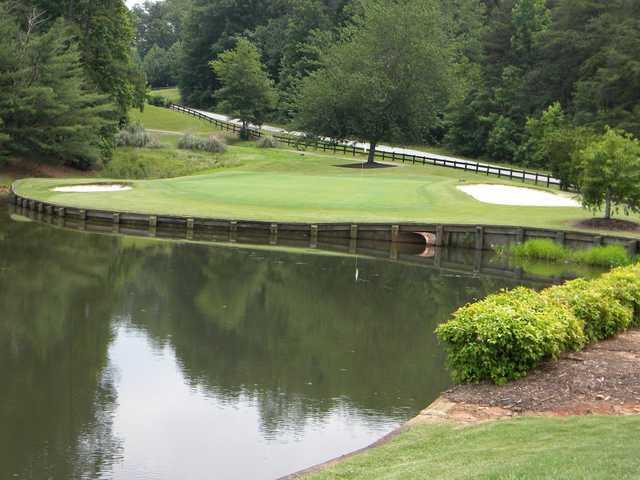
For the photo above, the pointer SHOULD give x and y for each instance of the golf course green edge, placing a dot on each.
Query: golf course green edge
(473, 236)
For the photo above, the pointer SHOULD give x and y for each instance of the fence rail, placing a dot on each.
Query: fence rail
(302, 142)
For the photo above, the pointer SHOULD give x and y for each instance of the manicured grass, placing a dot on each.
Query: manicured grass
(158, 118)
(285, 185)
(532, 448)
(282, 185)
(171, 94)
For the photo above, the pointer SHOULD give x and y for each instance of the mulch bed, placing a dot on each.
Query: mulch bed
(604, 378)
(609, 224)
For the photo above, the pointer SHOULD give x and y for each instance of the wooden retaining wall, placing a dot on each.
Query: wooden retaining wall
(476, 237)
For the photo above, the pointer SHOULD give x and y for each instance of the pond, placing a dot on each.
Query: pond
(131, 358)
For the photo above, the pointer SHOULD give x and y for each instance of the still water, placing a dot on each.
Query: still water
(128, 358)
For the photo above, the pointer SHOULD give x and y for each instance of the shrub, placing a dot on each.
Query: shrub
(625, 285)
(541, 249)
(134, 135)
(605, 256)
(158, 101)
(505, 335)
(267, 142)
(211, 144)
(595, 305)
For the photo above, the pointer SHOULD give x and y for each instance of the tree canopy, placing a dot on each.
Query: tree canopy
(246, 91)
(388, 77)
(47, 108)
(611, 173)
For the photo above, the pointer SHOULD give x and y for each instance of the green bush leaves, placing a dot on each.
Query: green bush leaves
(504, 336)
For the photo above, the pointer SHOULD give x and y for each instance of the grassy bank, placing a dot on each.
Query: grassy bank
(278, 184)
(531, 448)
(285, 185)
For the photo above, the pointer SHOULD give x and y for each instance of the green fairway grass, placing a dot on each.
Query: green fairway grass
(525, 449)
(284, 185)
(158, 118)
(171, 94)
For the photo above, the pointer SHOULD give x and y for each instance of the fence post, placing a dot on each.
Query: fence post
(479, 238)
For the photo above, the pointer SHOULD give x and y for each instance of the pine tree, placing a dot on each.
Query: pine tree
(47, 110)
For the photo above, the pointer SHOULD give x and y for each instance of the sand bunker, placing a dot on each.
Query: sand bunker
(93, 188)
(517, 196)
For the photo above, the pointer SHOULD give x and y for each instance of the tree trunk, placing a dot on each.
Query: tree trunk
(372, 153)
(607, 206)
(244, 131)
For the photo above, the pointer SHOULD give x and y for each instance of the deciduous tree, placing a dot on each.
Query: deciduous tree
(611, 173)
(246, 91)
(387, 78)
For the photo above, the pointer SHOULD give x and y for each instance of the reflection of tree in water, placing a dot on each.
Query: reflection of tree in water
(297, 334)
(57, 396)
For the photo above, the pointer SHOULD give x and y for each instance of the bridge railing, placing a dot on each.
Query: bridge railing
(302, 142)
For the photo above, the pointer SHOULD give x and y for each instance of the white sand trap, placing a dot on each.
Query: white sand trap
(518, 196)
(92, 188)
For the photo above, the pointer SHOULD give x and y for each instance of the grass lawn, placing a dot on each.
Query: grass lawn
(158, 118)
(532, 448)
(285, 185)
(172, 94)
(282, 185)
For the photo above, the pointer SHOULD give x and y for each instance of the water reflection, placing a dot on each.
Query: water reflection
(133, 358)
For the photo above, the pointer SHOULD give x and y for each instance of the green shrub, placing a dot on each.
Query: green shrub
(595, 304)
(267, 142)
(541, 249)
(505, 335)
(211, 144)
(605, 256)
(158, 101)
(134, 135)
(625, 285)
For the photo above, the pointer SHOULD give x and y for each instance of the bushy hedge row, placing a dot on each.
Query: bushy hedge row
(504, 336)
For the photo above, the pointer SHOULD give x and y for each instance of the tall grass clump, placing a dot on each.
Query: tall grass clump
(505, 335)
(267, 142)
(211, 144)
(544, 249)
(603, 256)
(134, 135)
(541, 249)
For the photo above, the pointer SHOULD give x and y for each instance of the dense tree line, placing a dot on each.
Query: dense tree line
(67, 78)
(514, 59)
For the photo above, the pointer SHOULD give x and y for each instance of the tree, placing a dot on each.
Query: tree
(47, 108)
(387, 78)
(247, 92)
(611, 173)
(158, 67)
(104, 32)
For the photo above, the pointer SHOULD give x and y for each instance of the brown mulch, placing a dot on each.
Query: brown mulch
(609, 224)
(604, 379)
